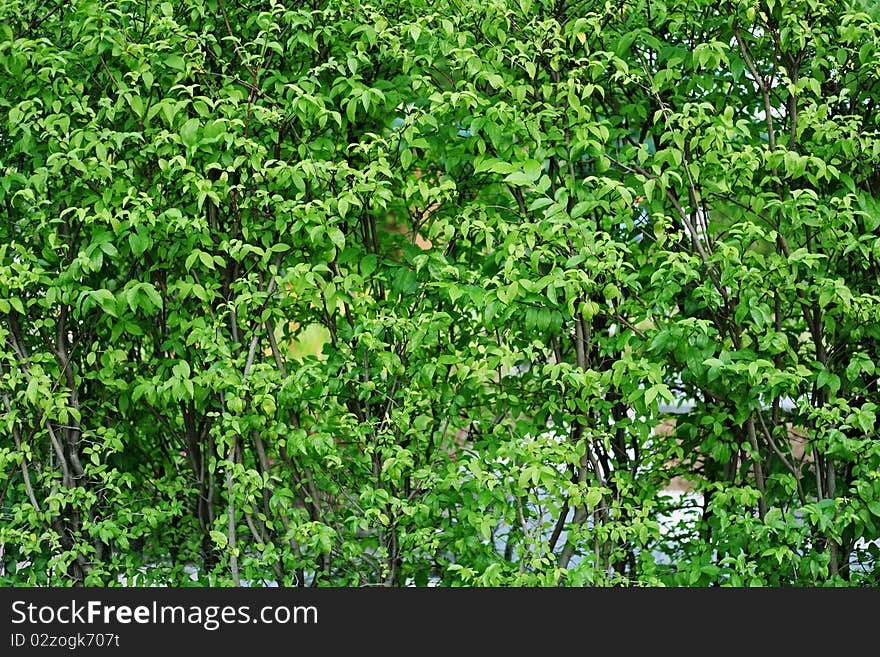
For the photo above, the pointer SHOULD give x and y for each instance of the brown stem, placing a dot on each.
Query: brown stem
(61, 353)
(768, 436)
(25, 472)
(230, 530)
(762, 86)
(756, 466)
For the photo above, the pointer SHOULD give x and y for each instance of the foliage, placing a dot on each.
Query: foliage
(389, 293)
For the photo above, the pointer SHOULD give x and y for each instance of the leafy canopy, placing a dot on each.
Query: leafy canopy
(395, 292)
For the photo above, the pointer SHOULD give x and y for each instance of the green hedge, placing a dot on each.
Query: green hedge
(397, 293)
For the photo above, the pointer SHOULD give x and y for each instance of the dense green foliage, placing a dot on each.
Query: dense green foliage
(382, 293)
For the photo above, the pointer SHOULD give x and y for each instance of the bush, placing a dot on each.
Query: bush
(397, 293)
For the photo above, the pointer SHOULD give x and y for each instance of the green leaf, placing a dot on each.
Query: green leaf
(152, 294)
(530, 173)
(593, 497)
(189, 133)
(337, 237)
(175, 61)
(368, 264)
(828, 380)
(219, 538)
(106, 300)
